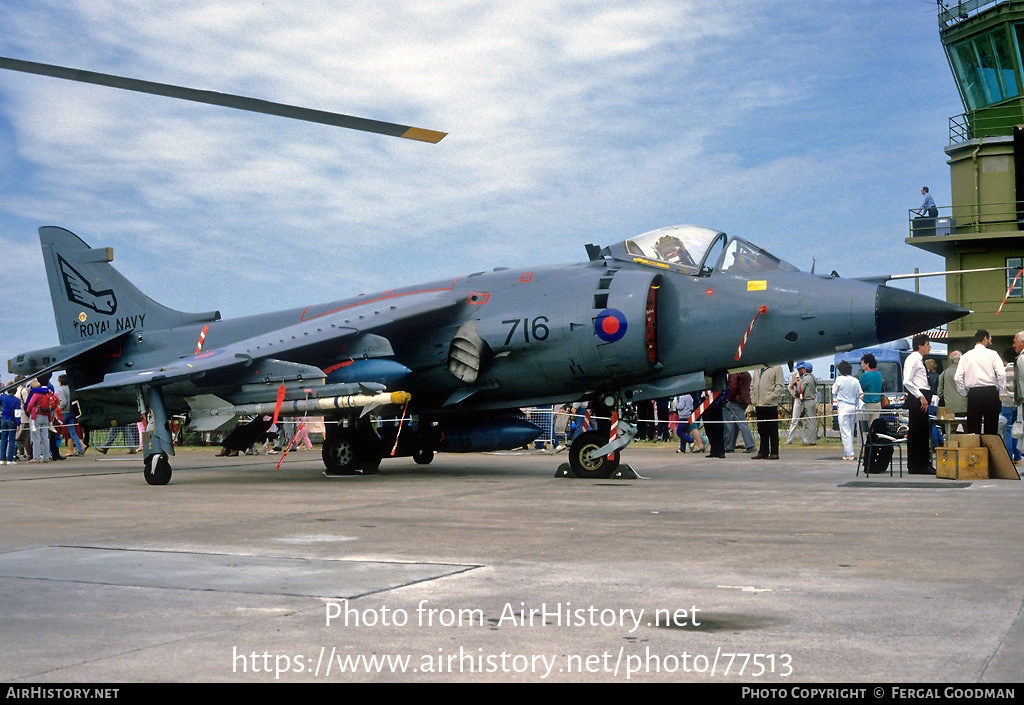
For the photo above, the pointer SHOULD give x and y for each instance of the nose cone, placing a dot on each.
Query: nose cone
(899, 313)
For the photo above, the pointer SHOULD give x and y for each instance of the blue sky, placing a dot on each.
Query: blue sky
(805, 127)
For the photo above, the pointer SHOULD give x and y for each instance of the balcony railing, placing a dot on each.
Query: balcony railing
(952, 11)
(998, 120)
(968, 219)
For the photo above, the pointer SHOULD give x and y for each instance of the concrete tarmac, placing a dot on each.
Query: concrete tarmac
(487, 567)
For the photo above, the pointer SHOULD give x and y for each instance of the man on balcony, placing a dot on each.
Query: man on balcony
(928, 208)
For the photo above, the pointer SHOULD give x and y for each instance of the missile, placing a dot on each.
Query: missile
(258, 393)
(211, 413)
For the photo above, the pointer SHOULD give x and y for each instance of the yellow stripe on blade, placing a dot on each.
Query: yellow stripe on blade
(418, 133)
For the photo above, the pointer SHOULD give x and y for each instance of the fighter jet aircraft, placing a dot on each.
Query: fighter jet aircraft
(659, 314)
(655, 315)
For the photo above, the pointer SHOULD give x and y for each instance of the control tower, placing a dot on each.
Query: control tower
(984, 226)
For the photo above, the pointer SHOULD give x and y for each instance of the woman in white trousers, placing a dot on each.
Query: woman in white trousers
(846, 392)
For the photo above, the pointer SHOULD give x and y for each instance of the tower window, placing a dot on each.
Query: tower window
(1015, 264)
(985, 68)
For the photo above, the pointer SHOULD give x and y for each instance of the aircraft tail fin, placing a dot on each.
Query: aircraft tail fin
(92, 299)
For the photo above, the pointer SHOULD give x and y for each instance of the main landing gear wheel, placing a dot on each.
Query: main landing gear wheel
(340, 454)
(349, 452)
(157, 470)
(598, 468)
(423, 456)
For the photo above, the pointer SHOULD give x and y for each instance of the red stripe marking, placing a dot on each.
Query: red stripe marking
(332, 368)
(202, 339)
(303, 318)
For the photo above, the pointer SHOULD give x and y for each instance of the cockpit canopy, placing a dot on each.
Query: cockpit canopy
(696, 250)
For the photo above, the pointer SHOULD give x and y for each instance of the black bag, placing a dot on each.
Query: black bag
(877, 457)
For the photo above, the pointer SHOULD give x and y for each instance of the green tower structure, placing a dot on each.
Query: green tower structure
(984, 225)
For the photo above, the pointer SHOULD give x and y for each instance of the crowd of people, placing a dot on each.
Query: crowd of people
(714, 423)
(37, 420)
(36, 417)
(983, 389)
(977, 385)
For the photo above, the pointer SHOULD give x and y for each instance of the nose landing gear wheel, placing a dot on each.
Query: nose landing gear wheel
(597, 468)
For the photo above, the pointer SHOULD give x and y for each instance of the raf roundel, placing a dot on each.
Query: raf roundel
(610, 325)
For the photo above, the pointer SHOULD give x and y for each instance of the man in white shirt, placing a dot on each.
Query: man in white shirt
(981, 377)
(915, 382)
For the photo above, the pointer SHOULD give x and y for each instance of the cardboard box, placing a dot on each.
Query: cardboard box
(961, 463)
(964, 440)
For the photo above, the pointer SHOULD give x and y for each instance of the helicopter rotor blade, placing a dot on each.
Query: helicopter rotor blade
(226, 100)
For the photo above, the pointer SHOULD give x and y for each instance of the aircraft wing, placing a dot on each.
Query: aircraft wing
(58, 358)
(316, 338)
(189, 368)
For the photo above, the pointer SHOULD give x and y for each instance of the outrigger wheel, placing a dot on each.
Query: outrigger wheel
(591, 468)
(157, 469)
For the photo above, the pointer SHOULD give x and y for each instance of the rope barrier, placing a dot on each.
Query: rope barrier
(587, 418)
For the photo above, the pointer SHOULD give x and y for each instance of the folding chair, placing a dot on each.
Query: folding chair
(885, 435)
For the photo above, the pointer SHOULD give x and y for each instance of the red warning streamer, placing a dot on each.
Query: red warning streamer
(399, 431)
(760, 310)
(280, 401)
(1008, 291)
(290, 444)
(709, 397)
(614, 431)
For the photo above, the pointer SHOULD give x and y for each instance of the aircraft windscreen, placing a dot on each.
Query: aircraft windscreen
(682, 245)
(741, 256)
